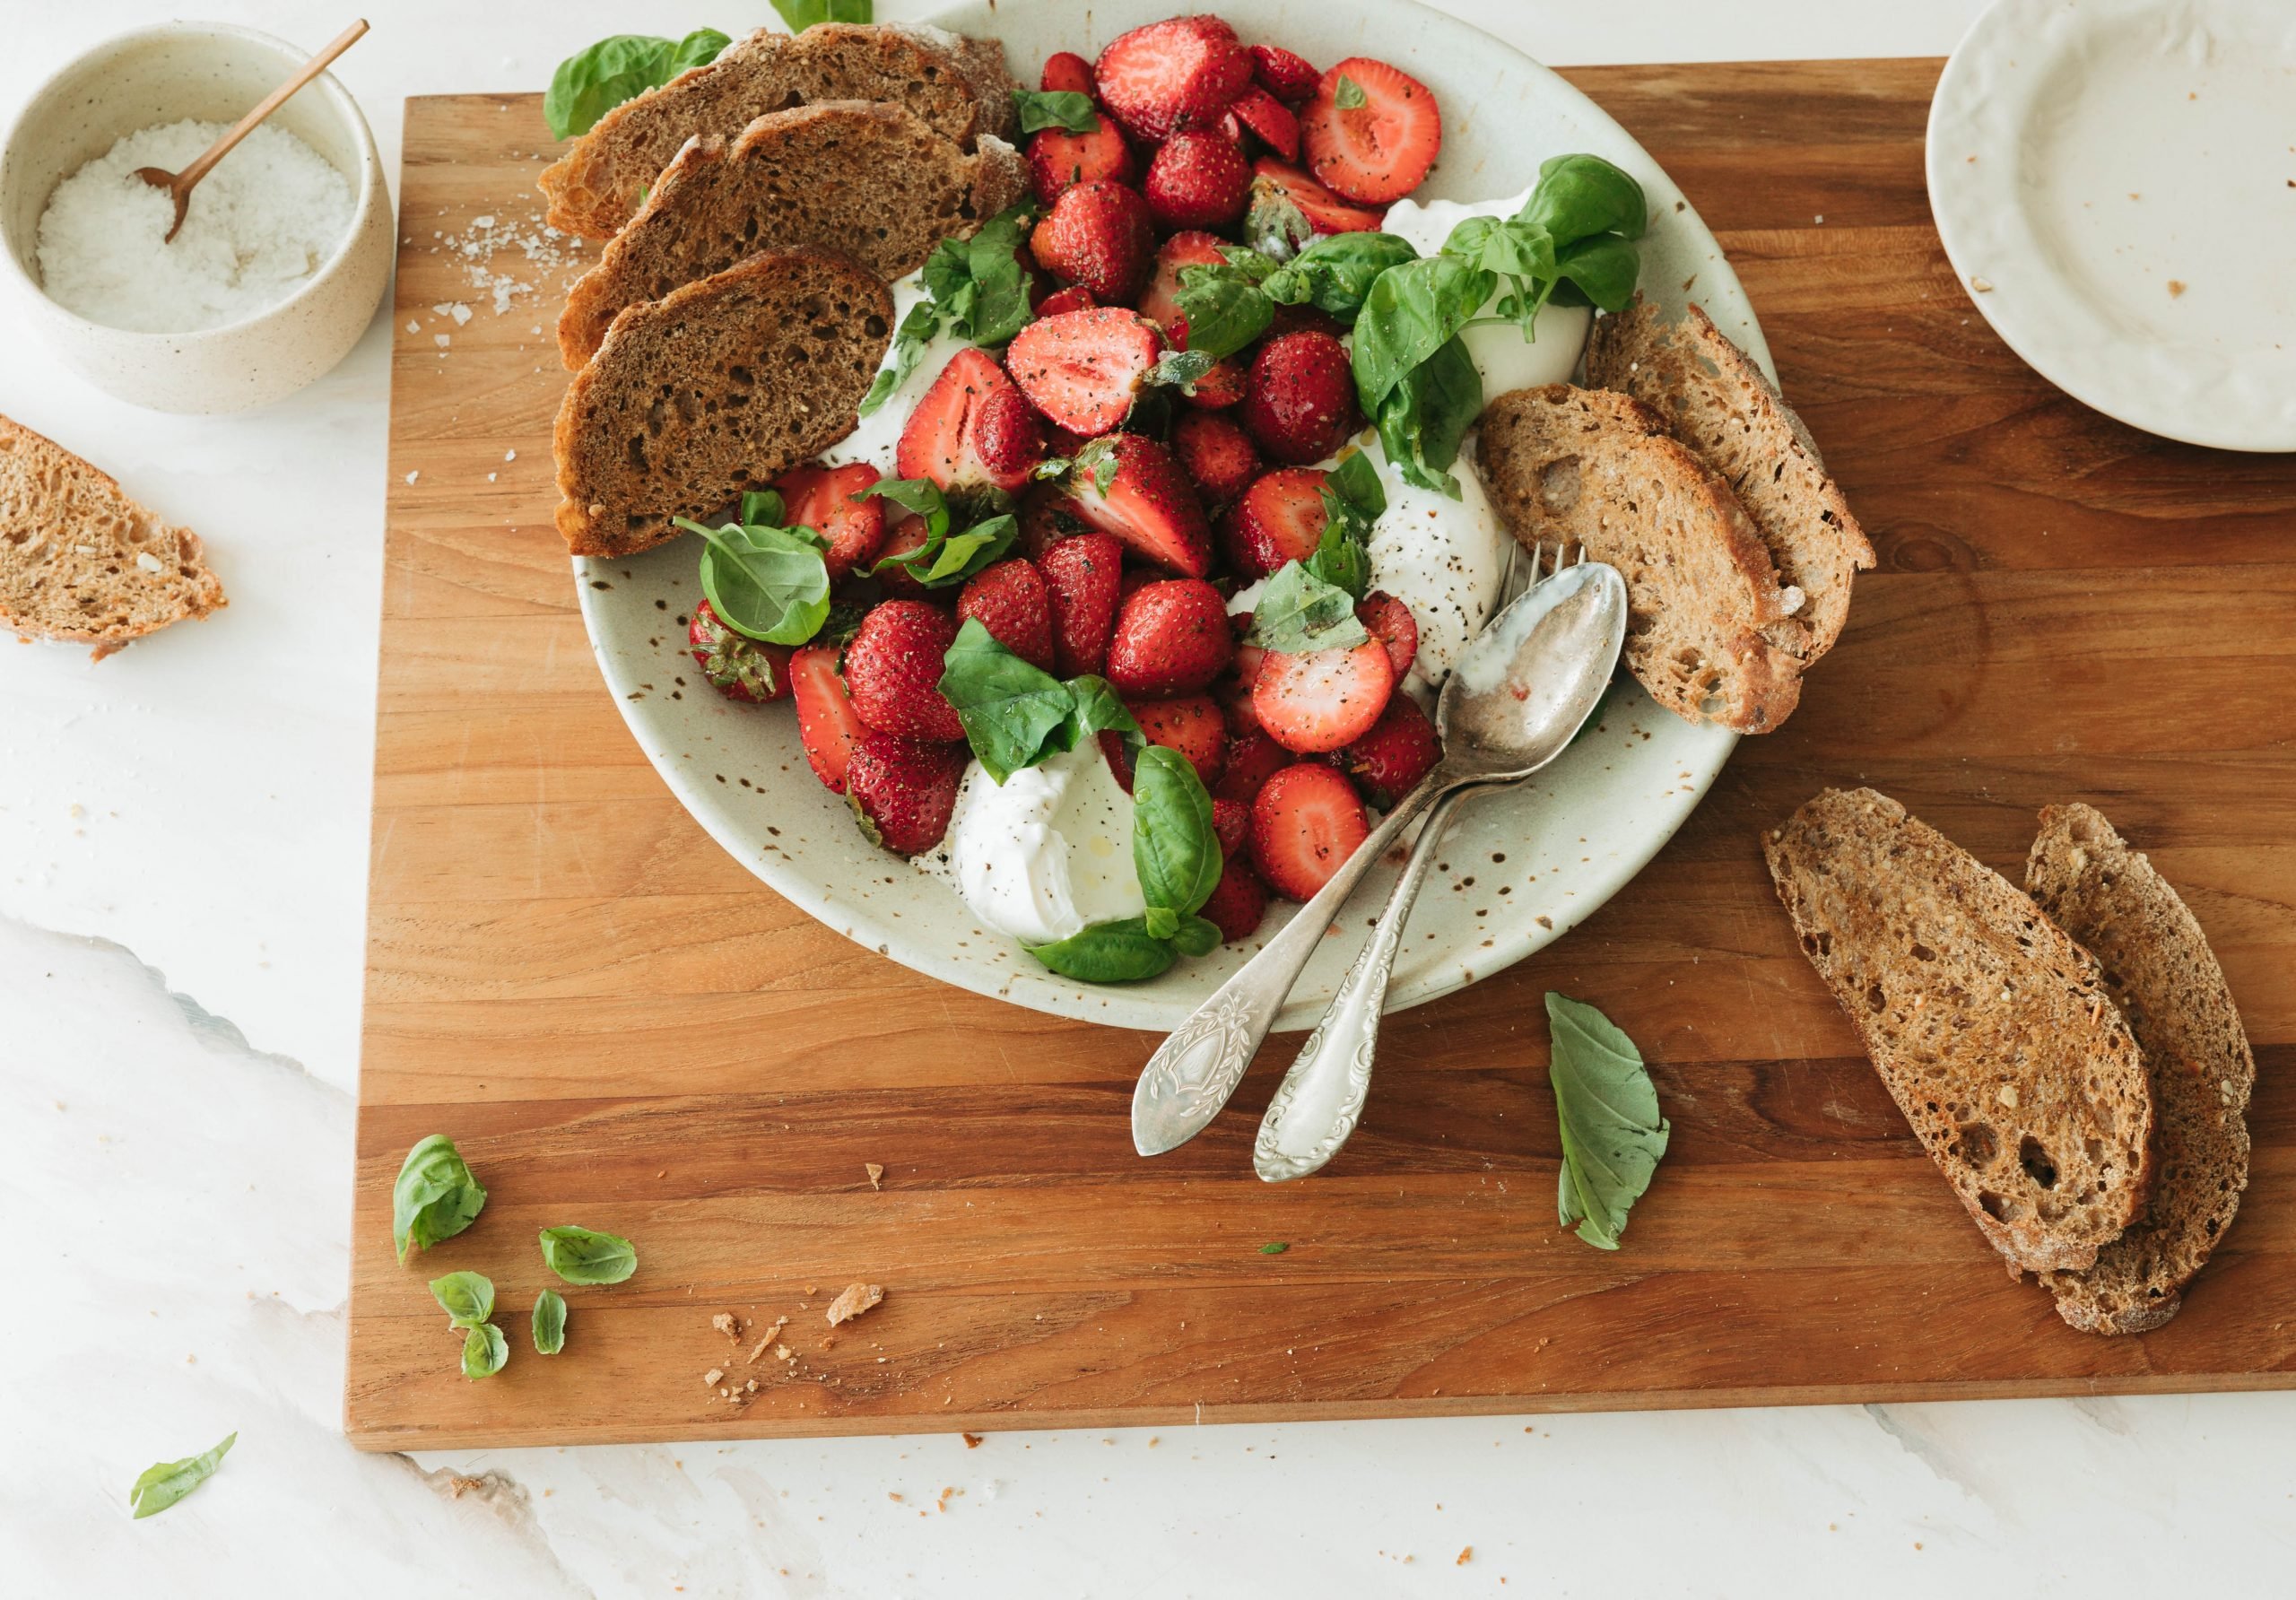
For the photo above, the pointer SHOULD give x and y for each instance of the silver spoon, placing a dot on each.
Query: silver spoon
(1522, 689)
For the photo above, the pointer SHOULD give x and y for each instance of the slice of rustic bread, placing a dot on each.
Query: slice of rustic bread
(790, 178)
(1707, 630)
(720, 387)
(1991, 1028)
(2158, 966)
(79, 561)
(959, 86)
(1725, 408)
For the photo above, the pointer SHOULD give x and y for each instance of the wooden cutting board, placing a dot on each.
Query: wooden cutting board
(621, 1028)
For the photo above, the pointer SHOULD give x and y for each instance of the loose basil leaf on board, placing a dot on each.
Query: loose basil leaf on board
(1039, 110)
(1174, 849)
(1577, 196)
(584, 1256)
(591, 83)
(1299, 612)
(485, 1351)
(799, 15)
(549, 1322)
(435, 1197)
(767, 583)
(163, 1485)
(1108, 952)
(1612, 1134)
(466, 1297)
(1225, 311)
(1336, 272)
(1014, 714)
(1426, 415)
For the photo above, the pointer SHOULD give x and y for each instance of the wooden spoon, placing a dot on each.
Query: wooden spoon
(179, 183)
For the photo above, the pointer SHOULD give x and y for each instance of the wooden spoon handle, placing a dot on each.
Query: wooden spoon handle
(270, 102)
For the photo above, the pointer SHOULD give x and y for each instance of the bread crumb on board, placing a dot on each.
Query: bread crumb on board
(876, 1173)
(857, 1299)
(726, 1323)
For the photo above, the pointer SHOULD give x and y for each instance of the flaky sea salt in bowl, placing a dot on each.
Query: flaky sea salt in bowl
(256, 298)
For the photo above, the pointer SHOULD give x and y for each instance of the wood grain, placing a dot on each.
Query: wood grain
(621, 1028)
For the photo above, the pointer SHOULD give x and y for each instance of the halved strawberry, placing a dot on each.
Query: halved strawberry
(1225, 385)
(1282, 73)
(1197, 180)
(1274, 184)
(1280, 518)
(1237, 902)
(893, 668)
(1171, 639)
(1271, 119)
(1252, 758)
(903, 791)
(907, 534)
(1100, 234)
(1400, 749)
(1081, 575)
(1300, 402)
(1074, 298)
(826, 725)
(1190, 724)
(1083, 369)
(1232, 822)
(1011, 600)
(1175, 74)
(1216, 452)
(1390, 621)
(1059, 159)
(942, 440)
(1371, 132)
(1066, 73)
(823, 498)
(1316, 700)
(737, 666)
(1160, 304)
(1148, 504)
(1307, 820)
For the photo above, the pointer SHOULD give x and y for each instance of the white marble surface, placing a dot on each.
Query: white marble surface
(183, 841)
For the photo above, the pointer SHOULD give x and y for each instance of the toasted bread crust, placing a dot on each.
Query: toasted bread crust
(2158, 967)
(716, 389)
(1990, 1026)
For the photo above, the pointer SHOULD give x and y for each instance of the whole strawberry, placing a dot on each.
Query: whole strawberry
(1216, 452)
(1401, 748)
(738, 667)
(1011, 600)
(903, 791)
(1081, 574)
(1100, 235)
(1171, 639)
(1059, 159)
(1198, 181)
(893, 668)
(1299, 402)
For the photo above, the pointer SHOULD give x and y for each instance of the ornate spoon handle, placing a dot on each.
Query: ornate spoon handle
(1322, 1096)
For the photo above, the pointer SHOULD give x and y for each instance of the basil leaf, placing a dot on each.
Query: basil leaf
(1349, 95)
(1196, 936)
(1098, 461)
(1099, 710)
(1340, 559)
(1224, 312)
(1356, 483)
(435, 1197)
(1174, 847)
(1179, 368)
(485, 1351)
(917, 329)
(1299, 612)
(1411, 311)
(591, 83)
(1039, 110)
(162, 1486)
(1108, 952)
(1426, 415)
(1612, 1134)
(1577, 196)
(549, 1322)
(768, 583)
(763, 506)
(1601, 271)
(583, 1256)
(1336, 272)
(1254, 267)
(944, 560)
(799, 15)
(921, 495)
(1274, 223)
(1014, 714)
(1000, 303)
(466, 1297)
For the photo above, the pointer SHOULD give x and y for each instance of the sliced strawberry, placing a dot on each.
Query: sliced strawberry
(1390, 621)
(1083, 369)
(1275, 185)
(1231, 821)
(892, 667)
(942, 440)
(1074, 298)
(1306, 820)
(903, 791)
(824, 499)
(907, 534)
(1279, 518)
(1376, 149)
(1066, 72)
(1149, 505)
(1282, 73)
(1190, 724)
(1300, 403)
(1010, 599)
(1008, 436)
(1401, 748)
(1216, 452)
(1178, 72)
(737, 666)
(1271, 119)
(1225, 385)
(1059, 159)
(826, 725)
(1237, 902)
(1160, 304)
(1171, 639)
(1198, 181)
(1316, 700)
(1097, 233)
(1252, 758)
(1081, 575)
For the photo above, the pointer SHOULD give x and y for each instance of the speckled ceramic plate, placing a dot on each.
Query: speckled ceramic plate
(2115, 181)
(1518, 871)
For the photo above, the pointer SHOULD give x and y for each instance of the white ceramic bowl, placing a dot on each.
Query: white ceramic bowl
(1517, 870)
(215, 72)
